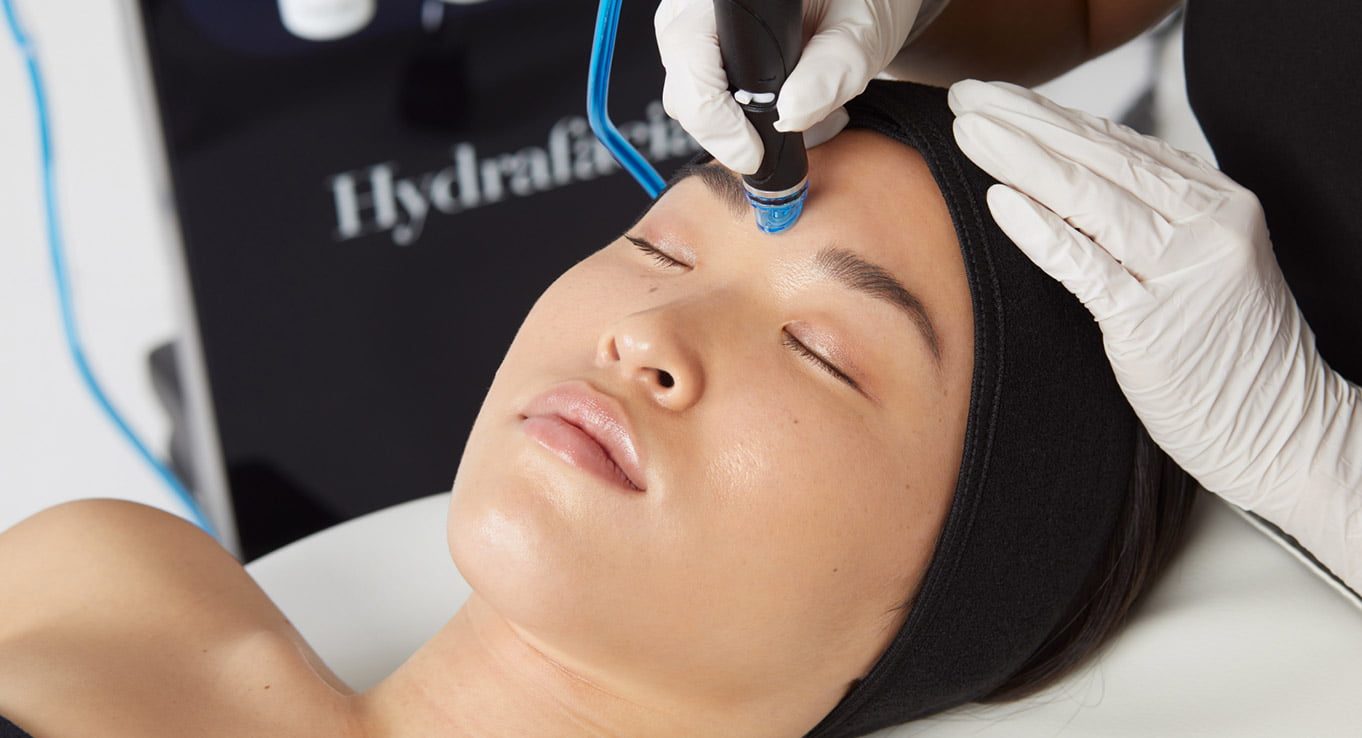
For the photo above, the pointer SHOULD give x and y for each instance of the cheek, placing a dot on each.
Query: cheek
(815, 523)
(558, 337)
(795, 484)
(568, 307)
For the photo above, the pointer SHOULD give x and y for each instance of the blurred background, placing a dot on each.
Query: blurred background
(296, 262)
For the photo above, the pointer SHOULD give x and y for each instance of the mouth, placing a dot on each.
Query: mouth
(588, 430)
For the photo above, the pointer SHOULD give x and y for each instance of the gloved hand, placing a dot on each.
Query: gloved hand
(1173, 260)
(852, 41)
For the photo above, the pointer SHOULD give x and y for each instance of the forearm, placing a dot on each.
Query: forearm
(1022, 41)
(1317, 494)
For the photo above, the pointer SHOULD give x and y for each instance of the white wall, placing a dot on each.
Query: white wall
(55, 444)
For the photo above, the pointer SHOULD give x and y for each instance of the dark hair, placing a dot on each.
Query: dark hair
(1147, 534)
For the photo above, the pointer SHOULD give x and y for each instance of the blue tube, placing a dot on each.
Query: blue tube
(58, 259)
(597, 92)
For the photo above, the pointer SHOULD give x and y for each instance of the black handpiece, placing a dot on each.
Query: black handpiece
(760, 41)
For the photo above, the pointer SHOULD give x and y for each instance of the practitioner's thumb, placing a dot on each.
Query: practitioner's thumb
(831, 70)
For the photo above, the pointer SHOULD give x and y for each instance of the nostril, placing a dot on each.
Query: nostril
(665, 379)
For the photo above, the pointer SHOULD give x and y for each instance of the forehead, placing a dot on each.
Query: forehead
(880, 193)
(865, 190)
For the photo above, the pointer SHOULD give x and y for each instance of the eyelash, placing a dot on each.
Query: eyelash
(667, 262)
(663, 260)
(799, 348)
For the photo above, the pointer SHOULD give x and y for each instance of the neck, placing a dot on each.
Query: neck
(479, 678)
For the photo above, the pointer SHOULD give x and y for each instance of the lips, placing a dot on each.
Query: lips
(586, 429)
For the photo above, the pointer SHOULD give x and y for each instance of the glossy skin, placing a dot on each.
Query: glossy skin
(786, 515)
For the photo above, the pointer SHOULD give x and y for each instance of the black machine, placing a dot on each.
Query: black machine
(367, 220)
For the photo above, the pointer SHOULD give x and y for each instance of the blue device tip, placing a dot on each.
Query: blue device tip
(776, 215)
(777, 218)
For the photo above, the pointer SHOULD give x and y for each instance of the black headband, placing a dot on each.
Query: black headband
(1048, 457)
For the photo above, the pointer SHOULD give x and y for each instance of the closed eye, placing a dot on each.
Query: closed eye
(662, 258)
(793, 344)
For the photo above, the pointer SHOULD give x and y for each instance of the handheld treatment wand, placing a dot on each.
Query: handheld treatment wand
(760, 42)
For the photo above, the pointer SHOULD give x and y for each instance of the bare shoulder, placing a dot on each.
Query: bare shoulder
(77, 528)
(150, 612)
(60, 561)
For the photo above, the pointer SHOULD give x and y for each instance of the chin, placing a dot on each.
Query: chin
(556, 579)
(517, 550)
(498, 546)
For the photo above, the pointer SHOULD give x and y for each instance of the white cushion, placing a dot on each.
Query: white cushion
(368, 592)
(1239, 638)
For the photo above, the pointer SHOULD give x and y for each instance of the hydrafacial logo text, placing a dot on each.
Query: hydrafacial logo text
(376, 199)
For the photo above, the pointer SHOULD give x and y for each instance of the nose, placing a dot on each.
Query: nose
(650, 349)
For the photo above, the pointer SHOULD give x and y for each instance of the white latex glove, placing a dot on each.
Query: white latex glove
(851, 42)
(1173, 260)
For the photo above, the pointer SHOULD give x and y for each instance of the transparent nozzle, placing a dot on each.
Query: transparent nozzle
(777, 211)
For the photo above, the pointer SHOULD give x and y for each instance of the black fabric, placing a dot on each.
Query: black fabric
(1277, 88)
(1047, 458)
(10, 730)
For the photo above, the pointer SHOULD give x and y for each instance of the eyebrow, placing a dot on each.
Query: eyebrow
(845, 267)
(721, 183)
(855, 273)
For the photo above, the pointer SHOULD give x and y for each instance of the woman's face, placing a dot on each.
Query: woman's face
(716, 459)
